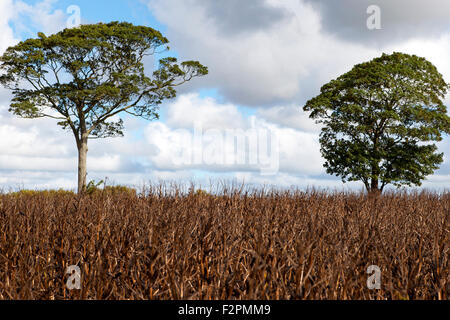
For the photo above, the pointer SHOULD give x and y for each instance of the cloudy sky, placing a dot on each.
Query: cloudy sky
(266, 59)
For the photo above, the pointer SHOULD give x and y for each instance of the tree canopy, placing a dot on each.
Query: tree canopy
(380, 119)
(86, 77)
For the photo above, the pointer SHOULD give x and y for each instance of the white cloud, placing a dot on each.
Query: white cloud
(179, 149)
(400, 19)
(189, 109)
(282, 63)
(34, 141)
(291, 116)
(287, 61)
(7, 38)
(6, 34)
(9, 162)
(300, 152)
(40, 16)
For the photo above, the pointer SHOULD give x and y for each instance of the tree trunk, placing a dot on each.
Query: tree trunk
(374, 189)
(82, 169)
(374, 183)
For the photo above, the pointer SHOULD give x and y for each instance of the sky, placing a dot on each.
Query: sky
(244, 121)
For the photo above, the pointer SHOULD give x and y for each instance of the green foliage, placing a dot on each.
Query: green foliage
(112, 191)
(379, 118)
(43, 193)
(201, 193)
(92, 186)
(104, 72)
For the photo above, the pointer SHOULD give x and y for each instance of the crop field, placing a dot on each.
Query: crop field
(237, 244)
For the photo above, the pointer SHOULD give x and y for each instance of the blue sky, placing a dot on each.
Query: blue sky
(105, 11)
(266, 59)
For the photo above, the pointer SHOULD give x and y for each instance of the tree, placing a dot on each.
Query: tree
(379, 119)
(86, 77)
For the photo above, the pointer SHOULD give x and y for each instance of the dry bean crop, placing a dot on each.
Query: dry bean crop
(236, 244)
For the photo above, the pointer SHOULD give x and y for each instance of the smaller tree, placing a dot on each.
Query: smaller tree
(379, 119)
(86, 77)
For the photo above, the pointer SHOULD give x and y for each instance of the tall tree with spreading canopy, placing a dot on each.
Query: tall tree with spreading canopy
(379, 121)
(86, 77)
